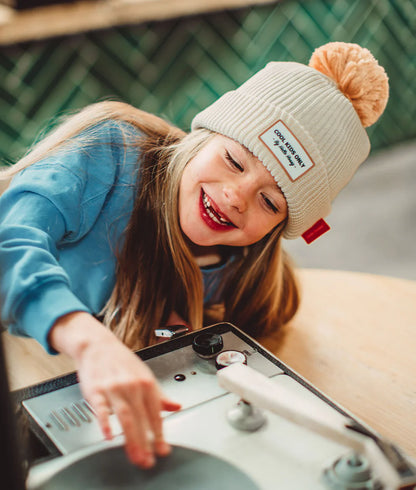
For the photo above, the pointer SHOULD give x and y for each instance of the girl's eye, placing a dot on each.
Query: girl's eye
(233, 162)
(269, 204)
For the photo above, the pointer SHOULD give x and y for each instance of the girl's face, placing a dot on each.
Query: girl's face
(228, 197)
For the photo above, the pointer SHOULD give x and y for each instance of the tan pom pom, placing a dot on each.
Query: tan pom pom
(358, 76)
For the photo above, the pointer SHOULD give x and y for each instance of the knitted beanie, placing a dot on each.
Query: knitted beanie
(306, 125)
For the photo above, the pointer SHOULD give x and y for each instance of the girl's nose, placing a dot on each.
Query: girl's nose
(235, 196)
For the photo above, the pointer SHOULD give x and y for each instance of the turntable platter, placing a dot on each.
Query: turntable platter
(183, 469)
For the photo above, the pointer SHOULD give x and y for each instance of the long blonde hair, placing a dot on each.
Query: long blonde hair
(156, 272)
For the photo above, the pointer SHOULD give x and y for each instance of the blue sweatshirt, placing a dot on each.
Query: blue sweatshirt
(61, 221)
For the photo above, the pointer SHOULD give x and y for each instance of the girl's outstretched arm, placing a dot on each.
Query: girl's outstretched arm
(114, 379)
(60, 221)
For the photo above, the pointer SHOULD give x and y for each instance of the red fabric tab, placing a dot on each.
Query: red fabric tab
(315, 231)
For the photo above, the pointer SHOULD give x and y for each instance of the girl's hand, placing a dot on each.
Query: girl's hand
(114, 379)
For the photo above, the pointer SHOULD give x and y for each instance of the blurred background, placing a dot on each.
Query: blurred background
(174, 58)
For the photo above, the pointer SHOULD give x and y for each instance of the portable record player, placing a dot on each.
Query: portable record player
(247, 421)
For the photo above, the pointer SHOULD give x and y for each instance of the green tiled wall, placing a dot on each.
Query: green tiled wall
(174, 68)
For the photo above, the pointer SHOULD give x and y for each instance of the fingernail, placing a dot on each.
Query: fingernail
(141, 458)
(162, 448)
(146, 459)
(149, 461)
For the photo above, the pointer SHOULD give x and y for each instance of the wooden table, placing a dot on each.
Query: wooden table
(354, 338)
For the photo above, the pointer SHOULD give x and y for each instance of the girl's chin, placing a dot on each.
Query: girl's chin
(198, 242)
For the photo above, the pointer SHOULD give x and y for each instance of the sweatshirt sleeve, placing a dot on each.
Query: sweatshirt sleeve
(52, 202)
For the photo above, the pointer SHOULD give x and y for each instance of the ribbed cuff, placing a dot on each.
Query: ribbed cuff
(40, 310)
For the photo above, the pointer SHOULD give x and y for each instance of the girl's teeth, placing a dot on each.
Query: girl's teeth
(213, 217)
(207, 204)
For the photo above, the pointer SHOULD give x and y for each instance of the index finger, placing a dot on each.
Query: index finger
(132, 415)
(153, 405)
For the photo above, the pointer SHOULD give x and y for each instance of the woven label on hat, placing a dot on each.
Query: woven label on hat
(315, 231)
(287, 150)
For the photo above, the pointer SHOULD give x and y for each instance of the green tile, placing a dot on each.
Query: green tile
(175, 68)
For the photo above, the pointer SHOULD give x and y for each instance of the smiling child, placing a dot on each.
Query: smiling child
(118, 223)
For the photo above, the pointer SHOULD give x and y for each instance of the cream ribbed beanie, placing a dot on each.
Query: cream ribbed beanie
(305, 125)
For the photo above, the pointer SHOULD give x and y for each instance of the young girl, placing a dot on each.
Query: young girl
(120, 219)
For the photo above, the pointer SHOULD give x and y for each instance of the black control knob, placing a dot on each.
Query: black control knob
(207, 345)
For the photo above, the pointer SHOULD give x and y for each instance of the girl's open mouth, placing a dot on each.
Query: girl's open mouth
(212, 216)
